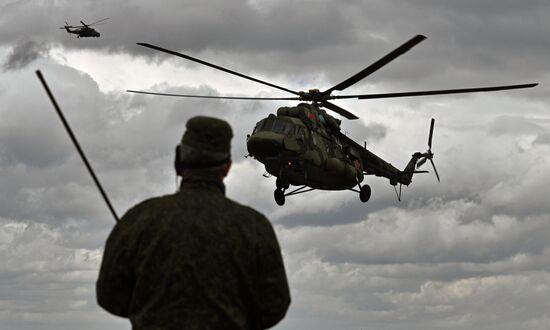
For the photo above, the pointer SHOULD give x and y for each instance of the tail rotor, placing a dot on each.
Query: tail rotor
(428, 155)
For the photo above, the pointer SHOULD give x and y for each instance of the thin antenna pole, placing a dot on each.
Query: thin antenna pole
(75, 142)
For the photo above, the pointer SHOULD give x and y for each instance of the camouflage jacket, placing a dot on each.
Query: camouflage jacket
(194, 260)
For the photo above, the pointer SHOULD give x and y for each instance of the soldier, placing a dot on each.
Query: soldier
(195, 259)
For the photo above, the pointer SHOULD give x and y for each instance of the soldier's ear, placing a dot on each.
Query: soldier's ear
(178, 166)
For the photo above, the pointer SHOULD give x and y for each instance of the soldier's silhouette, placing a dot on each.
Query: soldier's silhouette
(195, 259)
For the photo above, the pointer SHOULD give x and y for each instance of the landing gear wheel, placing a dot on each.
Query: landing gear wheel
(364, 193)
(281, 184)
(279, 197)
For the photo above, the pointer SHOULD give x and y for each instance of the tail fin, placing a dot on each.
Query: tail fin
(418, 159)
(407, 173)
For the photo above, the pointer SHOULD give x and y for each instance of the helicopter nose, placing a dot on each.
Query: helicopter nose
(265, 144)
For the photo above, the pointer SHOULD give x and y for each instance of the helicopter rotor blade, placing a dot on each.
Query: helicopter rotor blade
(435, 170)
(376, 65)
(86, 25)
(215, 67)
(341, 111)
(431, 134)
(101, 20)
(433, 92)
(215, 97)
(66, 26)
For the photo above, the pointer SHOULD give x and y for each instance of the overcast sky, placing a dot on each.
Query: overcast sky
(471, 252)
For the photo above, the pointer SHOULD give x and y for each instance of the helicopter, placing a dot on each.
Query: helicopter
(84, 30)
(304, 146)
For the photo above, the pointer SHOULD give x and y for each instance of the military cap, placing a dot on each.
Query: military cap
(206, 142)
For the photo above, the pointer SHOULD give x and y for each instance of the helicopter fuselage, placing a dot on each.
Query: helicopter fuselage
(300, 147)
(84, 32)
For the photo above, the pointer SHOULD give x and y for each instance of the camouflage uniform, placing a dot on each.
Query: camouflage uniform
(194, 260)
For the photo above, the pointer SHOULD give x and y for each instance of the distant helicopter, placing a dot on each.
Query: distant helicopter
(84, 30)
(303, 146)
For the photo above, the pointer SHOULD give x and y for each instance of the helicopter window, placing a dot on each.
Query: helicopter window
(259, 126)
(314, 139)
(337, 150)
(327, 144)
(300, 133)
(280, 126)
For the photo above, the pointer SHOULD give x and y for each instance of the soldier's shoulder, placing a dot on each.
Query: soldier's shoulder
(148, 206)
(244, 210)
(156, 201)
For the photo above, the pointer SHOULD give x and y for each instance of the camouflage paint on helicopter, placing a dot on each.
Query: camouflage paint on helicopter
(303, 146)
(298, 146)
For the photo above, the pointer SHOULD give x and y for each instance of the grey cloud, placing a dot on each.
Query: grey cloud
(479, 44)
(400, 236)
(312, 40)
(514, 125)
(41, 149)
(542, 139)
(60, 278)
(371, 132)
(375, 132)
(218, 24)
(392, 297)
(24, 53)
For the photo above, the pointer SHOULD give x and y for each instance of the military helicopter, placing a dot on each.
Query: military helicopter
(84, 30)
(304, 146)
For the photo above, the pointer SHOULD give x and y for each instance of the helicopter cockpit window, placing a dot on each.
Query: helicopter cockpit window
(259, 126)
(283, 127)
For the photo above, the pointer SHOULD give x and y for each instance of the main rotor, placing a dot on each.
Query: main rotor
(84, 25)
(321, 98)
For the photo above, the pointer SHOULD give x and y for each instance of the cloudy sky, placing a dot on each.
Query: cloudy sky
(471, 252)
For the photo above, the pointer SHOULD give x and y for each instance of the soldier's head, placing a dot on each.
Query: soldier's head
(205, 145)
